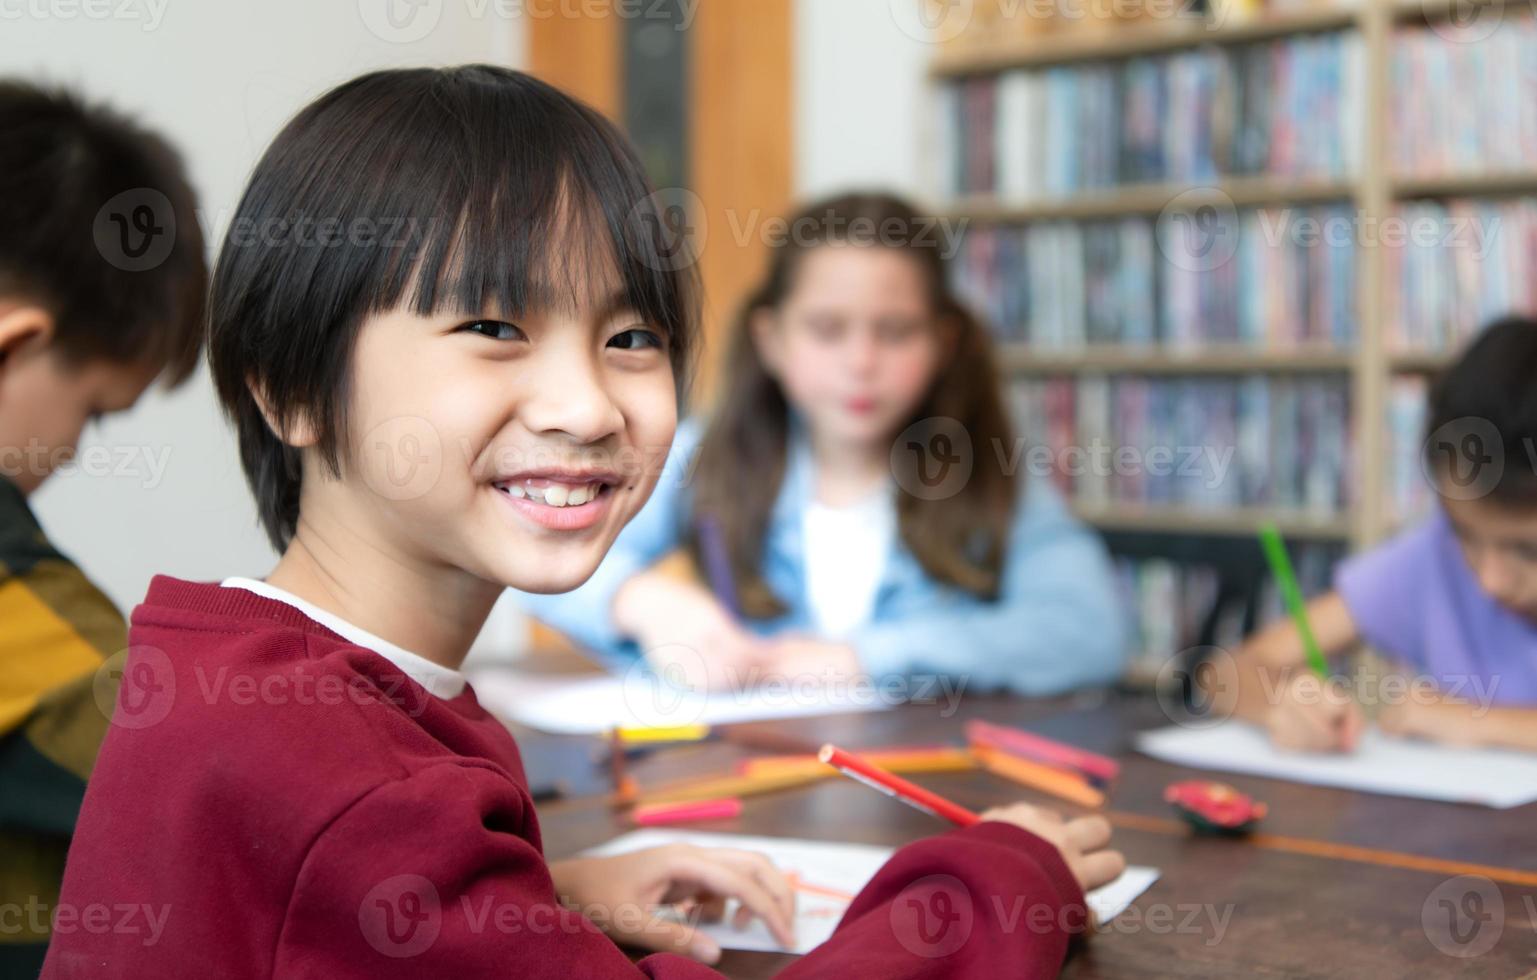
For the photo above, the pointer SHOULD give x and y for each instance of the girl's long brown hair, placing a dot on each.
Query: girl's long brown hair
(959, 540)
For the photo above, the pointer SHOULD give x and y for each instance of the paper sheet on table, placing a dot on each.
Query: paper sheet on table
(831, 875)
(589, 705)
(1395, 767)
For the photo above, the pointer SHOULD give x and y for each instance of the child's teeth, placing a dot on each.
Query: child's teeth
(555, 495)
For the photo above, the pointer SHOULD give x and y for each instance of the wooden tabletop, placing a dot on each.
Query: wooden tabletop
(1335, 886)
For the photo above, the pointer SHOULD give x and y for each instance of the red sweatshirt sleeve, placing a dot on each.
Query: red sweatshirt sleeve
(430, 876)
(963, 904)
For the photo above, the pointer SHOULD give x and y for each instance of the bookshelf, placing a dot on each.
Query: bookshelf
(1371, 363)
(1018, 360)
(1234, 522)
(1150, 199)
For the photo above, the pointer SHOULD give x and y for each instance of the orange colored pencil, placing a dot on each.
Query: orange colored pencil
(1037, 776)
(941, 759)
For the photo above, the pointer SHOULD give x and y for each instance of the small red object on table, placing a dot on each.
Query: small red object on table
(1214, 808)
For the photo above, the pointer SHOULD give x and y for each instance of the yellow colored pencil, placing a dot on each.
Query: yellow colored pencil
(717, 786)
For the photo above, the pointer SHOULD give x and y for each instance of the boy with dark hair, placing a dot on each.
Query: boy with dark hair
(102, 280)
(1453, 600)
(452, 349)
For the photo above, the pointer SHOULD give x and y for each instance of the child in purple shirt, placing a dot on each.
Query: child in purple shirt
(1452, 601)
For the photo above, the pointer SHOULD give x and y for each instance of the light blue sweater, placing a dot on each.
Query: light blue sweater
(1057, 624)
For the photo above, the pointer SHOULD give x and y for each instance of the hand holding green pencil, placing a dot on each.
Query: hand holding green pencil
(1309, 715)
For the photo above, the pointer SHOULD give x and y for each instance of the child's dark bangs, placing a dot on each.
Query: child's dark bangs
(529, 201)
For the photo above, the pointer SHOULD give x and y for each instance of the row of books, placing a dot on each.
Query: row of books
(1453, 267)
(1465, 100)
(1175, 606)
(1196, 442)
(1271, 278)
(1409, 490)
(1288, 108)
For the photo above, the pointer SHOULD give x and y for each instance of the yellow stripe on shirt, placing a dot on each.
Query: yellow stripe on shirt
(39, 651)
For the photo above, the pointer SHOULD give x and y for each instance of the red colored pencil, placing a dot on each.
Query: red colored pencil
(895, 786)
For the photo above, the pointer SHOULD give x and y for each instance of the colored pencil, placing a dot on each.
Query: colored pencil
(1063, 784)
(1291, 594)
(1042, 749)
(658, 814)
(895, 786)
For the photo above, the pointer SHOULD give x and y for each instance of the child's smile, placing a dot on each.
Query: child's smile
(561, 500)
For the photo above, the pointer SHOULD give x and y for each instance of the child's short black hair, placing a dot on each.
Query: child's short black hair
(99, 226)
(1491, 393)
(439, 189)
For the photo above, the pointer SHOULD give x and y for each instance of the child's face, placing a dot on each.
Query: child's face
(514, 451)
(1500, 544)
(854, 344)
(46, 402)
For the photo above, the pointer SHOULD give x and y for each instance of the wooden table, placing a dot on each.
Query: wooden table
(1223, 908)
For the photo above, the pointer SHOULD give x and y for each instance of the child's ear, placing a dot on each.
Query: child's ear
(296, 431)
(22, 326)
(767, 340)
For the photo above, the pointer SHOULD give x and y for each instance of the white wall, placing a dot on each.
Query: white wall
(860, 68)
(219, 77)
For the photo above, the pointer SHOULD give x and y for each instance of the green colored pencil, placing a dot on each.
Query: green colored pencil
(1291, 594)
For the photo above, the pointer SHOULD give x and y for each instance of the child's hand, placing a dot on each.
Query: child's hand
(1435, 717)
(690, 639)
(793, 656)
(1083, 841)
(1315, 717)
(622, 894)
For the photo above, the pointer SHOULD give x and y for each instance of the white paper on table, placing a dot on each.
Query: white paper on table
(844, 868)
(1381, 764)
(590, 705)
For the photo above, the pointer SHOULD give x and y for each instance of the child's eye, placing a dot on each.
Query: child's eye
(495, 329)
(637, 338)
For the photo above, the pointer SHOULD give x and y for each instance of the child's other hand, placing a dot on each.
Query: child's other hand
(1084, 842)
(792, 656)
(690, 639)
(622, 894)
(1428, 714)
(1312, 716)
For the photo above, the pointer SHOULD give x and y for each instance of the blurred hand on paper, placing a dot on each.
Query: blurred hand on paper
(1312, 716)
(623, 894)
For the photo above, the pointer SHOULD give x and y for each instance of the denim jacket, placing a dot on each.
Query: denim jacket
(1056, 625)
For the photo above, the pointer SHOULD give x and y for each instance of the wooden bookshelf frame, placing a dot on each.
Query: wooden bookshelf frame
(1375, 191)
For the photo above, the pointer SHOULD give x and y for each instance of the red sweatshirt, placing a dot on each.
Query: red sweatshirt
(272, 800)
